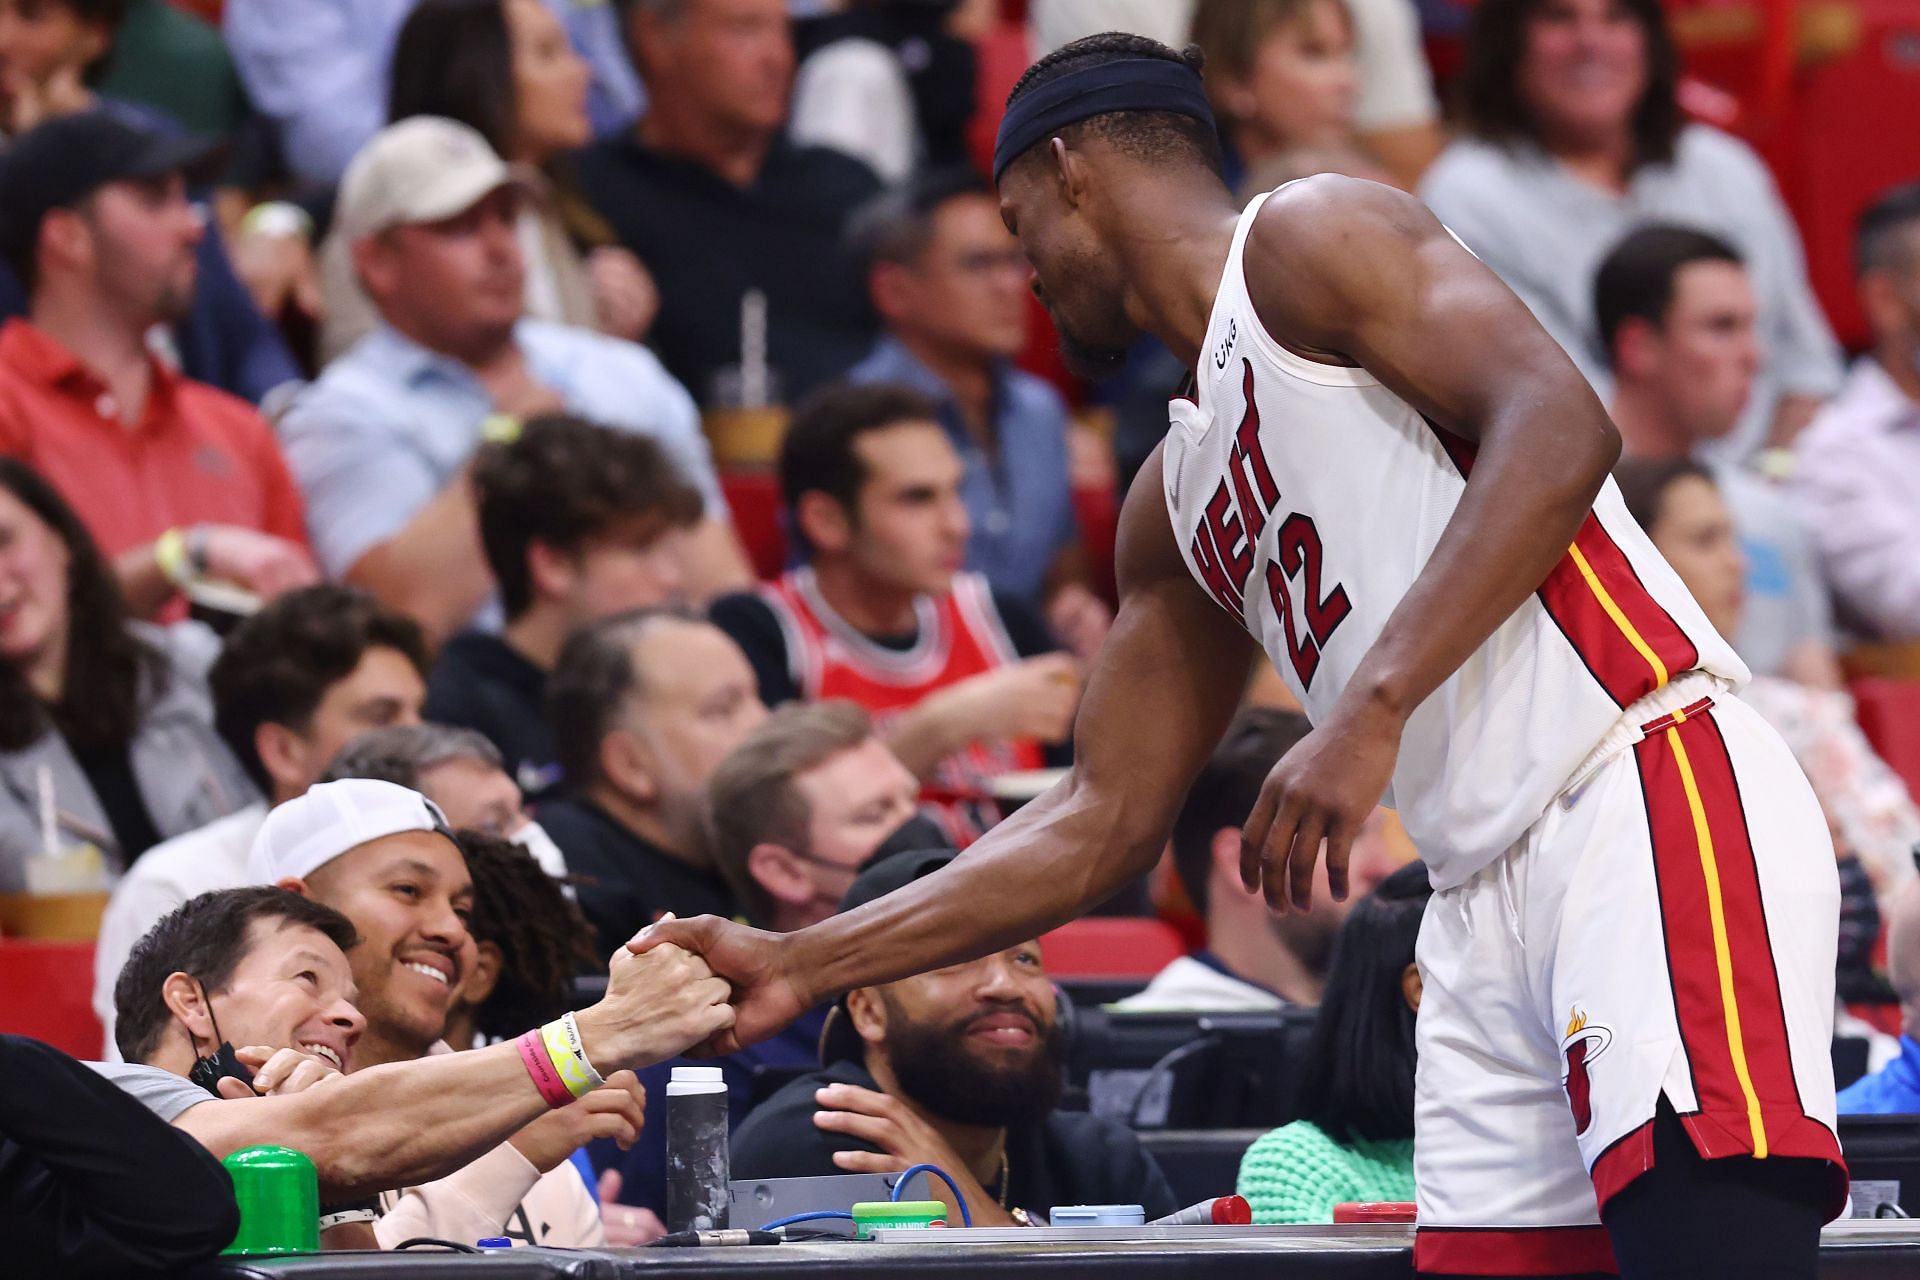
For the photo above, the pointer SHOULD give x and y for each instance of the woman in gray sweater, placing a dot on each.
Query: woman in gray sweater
(106, 726)
(1573, 135)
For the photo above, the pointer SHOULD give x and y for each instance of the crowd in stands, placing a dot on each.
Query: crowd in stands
(395, 617)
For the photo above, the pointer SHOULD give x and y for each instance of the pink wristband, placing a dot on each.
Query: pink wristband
(533, 1052)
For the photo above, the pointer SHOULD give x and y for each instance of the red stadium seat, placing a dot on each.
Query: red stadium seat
(1889, 714)
(48, 994)
(1111, 947)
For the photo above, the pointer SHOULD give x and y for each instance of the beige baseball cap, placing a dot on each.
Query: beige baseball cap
(420, 169)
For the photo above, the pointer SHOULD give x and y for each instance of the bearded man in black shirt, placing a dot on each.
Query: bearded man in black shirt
(959, 1068)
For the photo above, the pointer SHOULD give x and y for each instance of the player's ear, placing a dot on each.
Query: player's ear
(1070, 171)
(1411, 986)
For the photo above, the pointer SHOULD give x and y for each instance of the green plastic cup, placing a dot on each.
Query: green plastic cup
(870, 1216)
(279, 1196)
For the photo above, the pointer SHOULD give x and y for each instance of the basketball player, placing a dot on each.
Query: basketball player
(1391, 478)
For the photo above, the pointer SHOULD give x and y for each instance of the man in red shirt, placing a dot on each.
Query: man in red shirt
(175, 480)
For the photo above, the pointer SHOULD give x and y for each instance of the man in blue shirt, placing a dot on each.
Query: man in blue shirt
(951, 282)
(1895, 1088)
(381, 443)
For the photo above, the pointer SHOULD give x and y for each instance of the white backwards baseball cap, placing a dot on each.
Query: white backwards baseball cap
(420, 169)
(306, 833)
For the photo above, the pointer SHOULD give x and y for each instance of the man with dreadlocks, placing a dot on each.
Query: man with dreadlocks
(1387, 474)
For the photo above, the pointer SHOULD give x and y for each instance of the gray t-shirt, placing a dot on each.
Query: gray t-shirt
(1545, 231)
(159, 1091)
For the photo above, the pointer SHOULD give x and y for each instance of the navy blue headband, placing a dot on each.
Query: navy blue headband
(1126, 84)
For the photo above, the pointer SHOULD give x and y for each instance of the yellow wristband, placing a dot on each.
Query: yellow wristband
(170, 554)
(568, 1063)
(500, 428)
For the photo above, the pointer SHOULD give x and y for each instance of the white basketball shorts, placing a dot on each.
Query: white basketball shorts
(1668, 926)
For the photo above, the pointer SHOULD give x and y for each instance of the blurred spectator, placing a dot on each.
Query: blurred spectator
(94, 219)
(106, 728)
(382, 856)
(579, 523)
(1354, 1138)
(382, 442)
(1398, 118)
(54, 62)
(1872, 816)
(530, 941)
(1574, 135)
(1895, 1089)
(504, 67)
(318, 70)
(1281, 74)
(1676, 315)
(964, 680)
(951, 283)
(458, 770)
(891, 83)
(1857, 469)
(176, 63)
(644, 707)
(94, 1184)
(716, 201)
(959, 1068)
(1254, 959)
(293, 685)
(799, 807)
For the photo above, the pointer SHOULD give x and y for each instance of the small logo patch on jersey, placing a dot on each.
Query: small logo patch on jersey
(1585, 1040)
(1224, 352)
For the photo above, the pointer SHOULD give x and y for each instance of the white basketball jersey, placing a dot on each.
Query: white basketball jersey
(1306, 499)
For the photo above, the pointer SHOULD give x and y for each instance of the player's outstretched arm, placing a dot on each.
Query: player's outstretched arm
(1355, 271)
(1165, 685)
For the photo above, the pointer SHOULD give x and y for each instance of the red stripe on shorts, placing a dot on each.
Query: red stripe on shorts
(1746, 1096)
(1512, 1251)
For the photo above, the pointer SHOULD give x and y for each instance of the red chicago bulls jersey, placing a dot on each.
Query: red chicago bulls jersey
(959, 634)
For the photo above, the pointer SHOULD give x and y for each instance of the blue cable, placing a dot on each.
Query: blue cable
(900, 1187)
(815, 1216)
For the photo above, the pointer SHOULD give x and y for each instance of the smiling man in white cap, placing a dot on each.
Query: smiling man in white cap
(381, 441)
(383, 856)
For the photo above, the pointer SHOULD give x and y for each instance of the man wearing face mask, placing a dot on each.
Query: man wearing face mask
(294, 684)
(801, 806)
(1857, 467)
(959, 1068)
(644, 706)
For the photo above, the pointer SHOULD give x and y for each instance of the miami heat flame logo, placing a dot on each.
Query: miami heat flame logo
(1583, 1042)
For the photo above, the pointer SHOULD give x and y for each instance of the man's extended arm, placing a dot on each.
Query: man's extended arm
(1355, 270)
(1162, 694)
(406, 1123)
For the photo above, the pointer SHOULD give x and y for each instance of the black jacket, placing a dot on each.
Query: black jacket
(626, 882)
(94, 1184)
